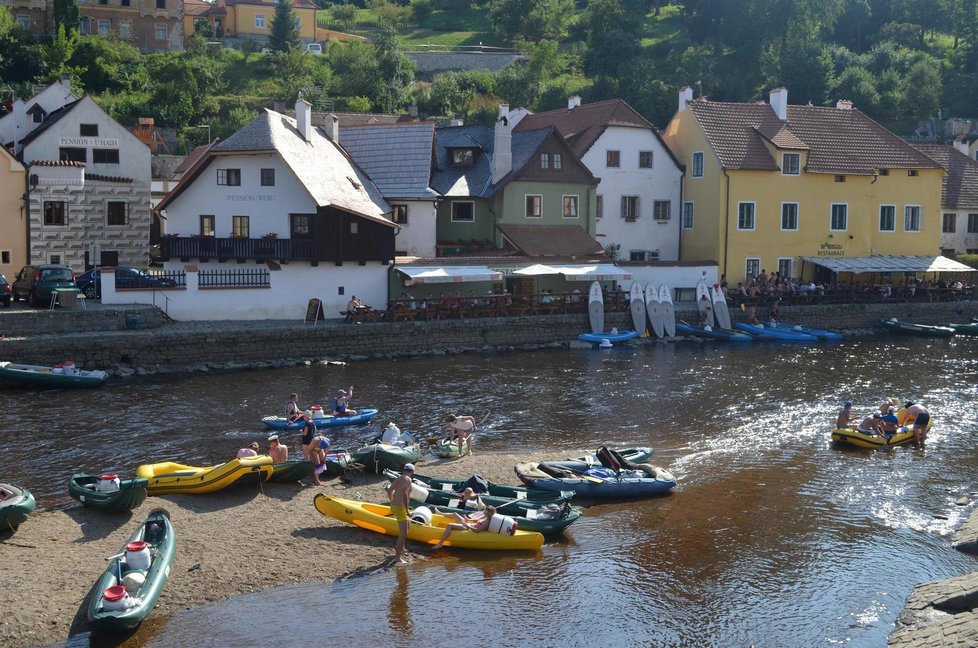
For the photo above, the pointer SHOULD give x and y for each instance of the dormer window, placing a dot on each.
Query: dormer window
(791, 164)
(463, 157)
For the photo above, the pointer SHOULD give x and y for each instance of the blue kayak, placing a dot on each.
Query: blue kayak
(614, 338)
(591, 481)
(819, 333)
(775, 333)
(713, 333)
(280, 423)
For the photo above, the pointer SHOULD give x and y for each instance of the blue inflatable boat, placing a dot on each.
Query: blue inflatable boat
(819, 333)
(775, 333)
(712, 333)
(328, 420)
(614, 338)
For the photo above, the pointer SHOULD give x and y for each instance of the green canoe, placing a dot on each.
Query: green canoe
(909, 328)
(291, 471)
(86, 489)
(141, 594)
(548, 520)
(964, 329)
(16, 505)
(378, 457)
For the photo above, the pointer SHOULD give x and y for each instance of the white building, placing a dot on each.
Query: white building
(640, 189)
(26, 115)
(959, 196)
(89, 189)
(278, 207)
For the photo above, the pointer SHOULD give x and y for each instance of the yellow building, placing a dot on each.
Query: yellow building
(252, 18)
(13, 221)
(768, 184)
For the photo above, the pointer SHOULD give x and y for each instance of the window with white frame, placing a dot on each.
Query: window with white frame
(645, 159)
(599, 206)
(687, 215)
(972, 223)
(839, 217)
(752, 266)
(544, 160)
(557, 161)
(259, 21)
(116, 212)
(784, 266)
(745, 215)
(789, 216)
(629, 208)
(661, 210)
(698, 164)
(399, 214)
(463, 211)
(161, 32)
(791, 164)
(570, 206)
(887, 218)
(534, 206)
(911, 218)
(948, 223)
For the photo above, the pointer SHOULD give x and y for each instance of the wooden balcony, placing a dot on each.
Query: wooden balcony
(206, 248)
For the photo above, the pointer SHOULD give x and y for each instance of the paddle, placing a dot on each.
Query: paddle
(585, 476)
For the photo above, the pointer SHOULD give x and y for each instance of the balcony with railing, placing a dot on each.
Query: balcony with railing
(205, 248)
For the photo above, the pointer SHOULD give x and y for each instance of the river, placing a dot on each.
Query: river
(773, 538)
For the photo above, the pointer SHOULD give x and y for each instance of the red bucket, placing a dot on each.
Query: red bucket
(109, 476)
(136, 545)
(114, 593)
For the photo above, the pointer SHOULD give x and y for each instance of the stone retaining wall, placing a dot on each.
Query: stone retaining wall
(171, 346)
(34, 322)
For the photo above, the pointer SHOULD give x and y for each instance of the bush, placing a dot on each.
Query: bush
(345, 14)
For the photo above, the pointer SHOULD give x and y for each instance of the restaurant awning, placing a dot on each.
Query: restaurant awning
(448, 274)
(859, 265)
(592, 272)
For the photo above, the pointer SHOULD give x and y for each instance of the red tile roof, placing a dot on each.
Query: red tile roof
(959, 189)
(297, 4)
(838, 141)
(195, 7)
(57, 163)
(583, 125)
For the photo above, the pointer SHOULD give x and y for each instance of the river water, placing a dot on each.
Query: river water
(773, 537)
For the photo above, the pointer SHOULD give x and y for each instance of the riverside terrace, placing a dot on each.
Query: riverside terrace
(443, 306)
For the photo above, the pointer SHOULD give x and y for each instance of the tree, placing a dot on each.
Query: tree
(108, 65)
(284, 35)
(421, 11)
(922, 91)
(66, 13)
(531, 19)
(396, 72)
(858, 85)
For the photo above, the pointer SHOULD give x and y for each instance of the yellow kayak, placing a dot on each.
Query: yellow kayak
(378, 518)
(903, 436)
(170, 477)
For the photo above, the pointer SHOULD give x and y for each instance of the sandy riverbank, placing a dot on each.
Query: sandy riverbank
(228, 543)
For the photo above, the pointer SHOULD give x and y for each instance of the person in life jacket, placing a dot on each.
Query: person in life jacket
(341, 404)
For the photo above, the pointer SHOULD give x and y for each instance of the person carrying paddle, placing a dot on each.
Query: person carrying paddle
(341, 404)
(462, 428)
(399, 495)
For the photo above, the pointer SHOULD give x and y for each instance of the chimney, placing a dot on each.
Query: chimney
(843, 104)
(413, 110)
(685, 96)
(303, 117)
(779, 103)
(573, 102)
(961, 145)
(332, 128)
(502, 150)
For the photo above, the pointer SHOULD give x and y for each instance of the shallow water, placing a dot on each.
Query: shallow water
(773, 538)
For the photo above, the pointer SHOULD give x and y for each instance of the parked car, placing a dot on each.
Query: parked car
(315, 49)
(4, 290)
(90, 282)
(37, 283)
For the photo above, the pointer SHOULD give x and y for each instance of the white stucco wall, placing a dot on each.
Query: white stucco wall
(17, 124)
(681, 277)
(662, 182)
(959, 240)
(268, 208)
(290, 290)
(417, 237)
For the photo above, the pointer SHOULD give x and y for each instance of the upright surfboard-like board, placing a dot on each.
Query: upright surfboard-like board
(668, 311)
(595, 308)
(720, 310)
(704, 303)
(654, 309)
(637, 306)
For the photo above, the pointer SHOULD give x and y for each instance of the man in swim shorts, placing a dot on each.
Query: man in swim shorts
(921, 418)
(399, 495)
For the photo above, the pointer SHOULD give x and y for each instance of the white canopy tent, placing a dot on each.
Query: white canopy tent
(860, 265)
(592, 272)
(448, 274)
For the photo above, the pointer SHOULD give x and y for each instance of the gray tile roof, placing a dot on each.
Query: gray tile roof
(959, 189)
(476, 181)
(430, 62)
(838, 140)
(397, 158)
(327, 173)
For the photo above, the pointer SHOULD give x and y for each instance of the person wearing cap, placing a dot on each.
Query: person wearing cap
(462, 428)
(890, 424)
(845, 416)
(278, 451)
(250, 451)
(921, 418)
(308, 434)
(341, 404)
(317, 455)
(399, 495)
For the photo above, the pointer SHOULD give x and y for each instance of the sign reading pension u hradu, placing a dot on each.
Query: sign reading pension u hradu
(830, 249)
(100, 142)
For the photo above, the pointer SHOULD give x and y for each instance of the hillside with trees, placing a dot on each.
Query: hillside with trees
(900, 61)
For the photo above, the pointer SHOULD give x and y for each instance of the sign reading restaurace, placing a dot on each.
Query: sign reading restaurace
(99, 142)
(830, 250)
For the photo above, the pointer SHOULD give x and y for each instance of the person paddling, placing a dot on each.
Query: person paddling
(341, 404)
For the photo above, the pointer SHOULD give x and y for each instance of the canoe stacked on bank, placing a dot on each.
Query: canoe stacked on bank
(120, 496)
(17, 504)
(132, 583)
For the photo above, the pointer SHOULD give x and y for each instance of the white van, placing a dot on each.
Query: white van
(315, 49)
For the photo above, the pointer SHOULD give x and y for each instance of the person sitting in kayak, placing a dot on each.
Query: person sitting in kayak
(341, 404)
(475, 526)
(292, 411)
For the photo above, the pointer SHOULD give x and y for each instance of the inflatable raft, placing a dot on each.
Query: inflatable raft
(169, 477)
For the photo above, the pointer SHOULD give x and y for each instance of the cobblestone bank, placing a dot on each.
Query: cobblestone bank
(101, 338)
